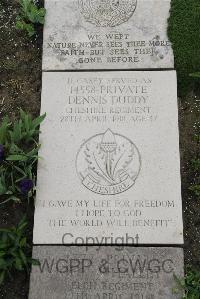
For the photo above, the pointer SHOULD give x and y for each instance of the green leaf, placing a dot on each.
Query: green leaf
(4, 230)
(16, 133)
(33, 153)
(19, 25)
(27, 122)
(4, 131)
(3, 187)
(195, 75)
(18, 264)
(23, 257)
(37, 121)
(3, 245)
(2, 263)
(22, 114)
(2, 277)
(14, 149)
(30, 14)
(22, 224)
(29, 28)
(22, 242)
(20, 171)
(16, 158)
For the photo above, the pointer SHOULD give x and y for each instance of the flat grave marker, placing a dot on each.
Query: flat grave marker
(95, 34)
(110, 167)
(105, 272)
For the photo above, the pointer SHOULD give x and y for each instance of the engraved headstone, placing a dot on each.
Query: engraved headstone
(108, 34)
(109, 170)
(105, 273)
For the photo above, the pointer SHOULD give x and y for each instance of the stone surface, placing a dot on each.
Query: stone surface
(94, 34)
(110, 159)
(105, 272)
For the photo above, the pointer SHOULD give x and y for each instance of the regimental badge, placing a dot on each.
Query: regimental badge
(107, 13)
(108, 163)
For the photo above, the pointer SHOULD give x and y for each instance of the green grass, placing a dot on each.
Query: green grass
(190, 284)
(184, 33)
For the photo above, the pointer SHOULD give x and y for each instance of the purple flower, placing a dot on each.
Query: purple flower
(26, 185)
(1, 153)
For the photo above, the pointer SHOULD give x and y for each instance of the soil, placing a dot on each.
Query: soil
(20, 84)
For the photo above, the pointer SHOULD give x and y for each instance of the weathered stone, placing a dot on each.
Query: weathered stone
(110, 169)
(94, 34)
(105, 272)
